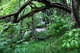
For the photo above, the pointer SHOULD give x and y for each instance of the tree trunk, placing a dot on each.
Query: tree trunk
(33, 28)
(75, 12)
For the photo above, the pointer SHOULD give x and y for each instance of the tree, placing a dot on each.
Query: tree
(75, 11)
(48, 5)
(35, 9)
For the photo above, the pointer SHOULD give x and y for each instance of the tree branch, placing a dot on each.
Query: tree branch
(16, 13)
(32, 13)
(48, 6)
(5, 16)
(61, 6)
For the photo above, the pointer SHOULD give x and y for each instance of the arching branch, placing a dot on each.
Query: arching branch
(16, 13)
(48, 6)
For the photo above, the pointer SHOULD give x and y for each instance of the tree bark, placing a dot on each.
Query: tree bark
(75, 12)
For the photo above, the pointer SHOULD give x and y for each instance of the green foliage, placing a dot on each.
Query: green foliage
(11, 41)
(60, 25)
(8, 8)
(38, 4)
(4, 44)
(42, 34)
(52, 45)
(1, 28)
(8, 46)
(20, 48)
(72, 39)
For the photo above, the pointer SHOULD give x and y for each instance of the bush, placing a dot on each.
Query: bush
(59, 25)
(72, 39)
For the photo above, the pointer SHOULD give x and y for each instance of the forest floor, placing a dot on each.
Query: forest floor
(51, 45)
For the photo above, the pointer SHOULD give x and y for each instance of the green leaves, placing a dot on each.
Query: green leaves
(72, 39)
(8, 8)
(38, 4)
(4, 42)
(1, 28)
(59, 26)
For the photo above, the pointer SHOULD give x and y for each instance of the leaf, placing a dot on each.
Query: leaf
(63, 45)
(68, 45)
(70, 33)
(76, 34)
(2, 39)
(70, 39)
(3, 43)
(1, 27)
(72, 43)
(25, 43)
(8, 40)
(74, 30)
(76, 38)
(23, 49)
(64, 41)
(5, 27)
(76, 44)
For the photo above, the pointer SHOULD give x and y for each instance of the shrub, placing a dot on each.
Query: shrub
(72, 39)
(59, 26)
